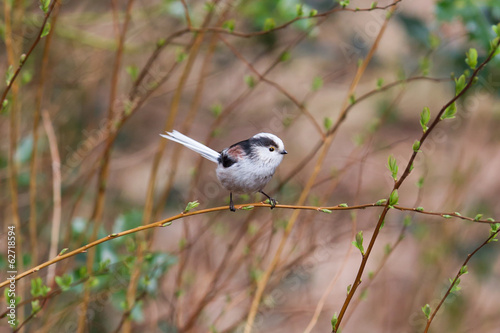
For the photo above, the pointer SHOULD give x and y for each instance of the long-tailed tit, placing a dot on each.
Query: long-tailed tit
(246, 166)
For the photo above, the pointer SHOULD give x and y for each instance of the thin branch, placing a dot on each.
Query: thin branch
(300, 105)
(457, 276)
(23, 59)
(56, 191)
(244, 207)
(261, 285)
(397, 184)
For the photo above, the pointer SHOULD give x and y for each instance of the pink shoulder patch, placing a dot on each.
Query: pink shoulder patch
(235, 152)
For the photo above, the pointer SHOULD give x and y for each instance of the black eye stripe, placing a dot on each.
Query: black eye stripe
(263, 141)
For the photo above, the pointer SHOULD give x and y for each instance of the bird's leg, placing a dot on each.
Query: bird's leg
(231, 204)
(271, 200)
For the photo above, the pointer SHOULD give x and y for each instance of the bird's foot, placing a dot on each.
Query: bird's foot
(272, 202)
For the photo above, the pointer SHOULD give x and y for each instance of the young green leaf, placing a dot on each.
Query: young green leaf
(381, 202)
(180, 55)
(247, 207)
(334, 321)
(393, 166)
(46, 30)
(216, 109)
(299, 9)
(344, 3)
(35, 306)
(228, 25)
(269, 24)
(373, 4)
(324, 210)
(38, 288)
(317, 83)
(44, 5)
(495, 227)
(358, 242)
(459, 84)
(249, 80)
(343, 205)
(426, 309)
(425, 116)
(454, 285)
(416, 146)
(191, 205)
(380, 82)
(64, 282)
(328, 123)
(450, 112)
(471, 59)
(9, 74)
(352, 99)
(133, 71)
(478, 217)
(394, 198)
(464, 270)
(420, 182)
(496, 29)
(313, 12)
(419, 209)
(285, 56)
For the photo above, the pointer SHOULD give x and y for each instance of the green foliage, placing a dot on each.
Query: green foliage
(216, 110)
(38, 288)
(249, 80)
(393, 167)
(191, 205)
(269, 24)
(358, 242)
(394, 198)
(46, 30)
(328, 123)
(494, 229)
(344, 3)
(317, 83)
(426, 309)
(416, 146)
(471, 58)
(229, 25)
(9, 74)
(44, 5)
(334, 321)
(133, 71)
(450, 112)
(425, 116)
(381, 202)
(459, 84)
(324, 210)
(64, 282)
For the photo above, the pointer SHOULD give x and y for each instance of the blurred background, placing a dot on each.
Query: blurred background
(109, 76)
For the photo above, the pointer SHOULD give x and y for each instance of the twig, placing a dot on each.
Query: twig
(398, 183)
(300, 105)
(244, 207)
(261, 285)
(457, 276)
(104, 169)
(56, 191)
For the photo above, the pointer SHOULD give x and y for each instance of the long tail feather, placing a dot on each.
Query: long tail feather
(194, 145)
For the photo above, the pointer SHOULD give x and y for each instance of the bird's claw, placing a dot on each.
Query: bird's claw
(231, 207)
(272, 202)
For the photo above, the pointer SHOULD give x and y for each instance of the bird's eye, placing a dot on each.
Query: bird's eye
(271, 149)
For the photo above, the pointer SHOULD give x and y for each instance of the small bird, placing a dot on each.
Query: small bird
(245, 167)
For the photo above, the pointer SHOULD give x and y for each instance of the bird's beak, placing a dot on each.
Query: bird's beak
(284, 152)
